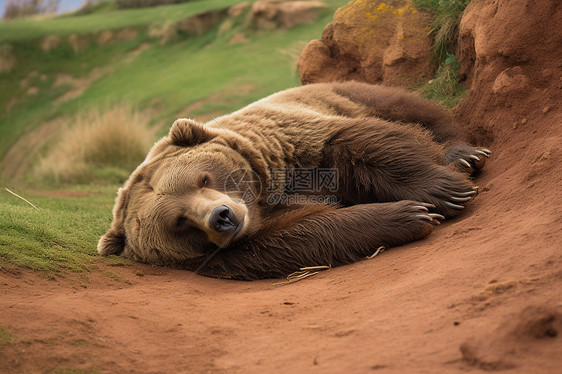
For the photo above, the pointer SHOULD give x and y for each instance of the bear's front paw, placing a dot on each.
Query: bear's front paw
(467, 158)
(416, 217)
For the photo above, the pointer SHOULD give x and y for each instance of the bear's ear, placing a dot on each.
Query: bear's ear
(188, 133)
(112, 243)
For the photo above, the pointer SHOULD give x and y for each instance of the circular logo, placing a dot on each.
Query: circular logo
(245, 182)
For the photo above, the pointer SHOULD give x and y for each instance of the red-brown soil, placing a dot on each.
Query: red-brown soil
(482, 293)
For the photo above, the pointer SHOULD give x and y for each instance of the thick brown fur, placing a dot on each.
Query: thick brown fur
(397, 158)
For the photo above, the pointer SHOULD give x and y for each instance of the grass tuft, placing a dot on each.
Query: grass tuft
(5, 337)
(446, 15)
(445, 87)
(106, 145)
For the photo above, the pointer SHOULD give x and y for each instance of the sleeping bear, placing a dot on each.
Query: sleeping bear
(322, 174)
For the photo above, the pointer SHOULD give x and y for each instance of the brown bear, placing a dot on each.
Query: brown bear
(317, 175)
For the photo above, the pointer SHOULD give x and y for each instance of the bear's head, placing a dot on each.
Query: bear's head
(185, 200)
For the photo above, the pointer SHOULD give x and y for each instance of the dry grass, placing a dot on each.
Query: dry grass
(93, 143)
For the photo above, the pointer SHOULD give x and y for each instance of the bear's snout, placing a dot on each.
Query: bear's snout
(223, 219)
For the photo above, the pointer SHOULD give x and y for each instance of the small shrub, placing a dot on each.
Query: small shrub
(445, 87)
(98, 145)
(446, 15)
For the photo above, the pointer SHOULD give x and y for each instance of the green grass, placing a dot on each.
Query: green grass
(114, 276)
(62, 234)
(5, 337)
(446, 16)
(444, 87)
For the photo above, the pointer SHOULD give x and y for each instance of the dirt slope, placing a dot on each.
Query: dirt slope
(483, 292)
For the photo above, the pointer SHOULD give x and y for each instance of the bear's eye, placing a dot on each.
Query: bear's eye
(204, 180)
(181, 222)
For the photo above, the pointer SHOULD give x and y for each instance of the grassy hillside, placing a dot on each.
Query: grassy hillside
(27, 29)
(45, 85)
(140, 65)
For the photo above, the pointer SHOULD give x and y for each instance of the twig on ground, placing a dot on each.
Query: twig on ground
(19, 197)
(379, 250)
(302, 274)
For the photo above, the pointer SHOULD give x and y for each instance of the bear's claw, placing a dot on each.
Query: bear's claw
(484, 152)
(461, 199)
(430, 217)
(473, 162)
(471, 194)
(468, 158)
(436, 216)
(454, 206)
(458, 198)
(464, 163)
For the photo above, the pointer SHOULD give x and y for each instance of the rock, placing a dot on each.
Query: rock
(78, 43)
(50, 42)
(105, 37)
(238, 38)
(511, 80)
(164, 32)
(273, 14)
(510, 53)
(7, 58)
(127, 34)
(237, 10)
(371, 41)
(521, 337)
(198, 24)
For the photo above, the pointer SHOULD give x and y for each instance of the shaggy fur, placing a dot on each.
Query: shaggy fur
(398, 156)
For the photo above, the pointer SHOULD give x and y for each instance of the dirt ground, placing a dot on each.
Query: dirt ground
(482, 293)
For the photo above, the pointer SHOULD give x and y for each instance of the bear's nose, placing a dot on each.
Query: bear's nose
(223, 219)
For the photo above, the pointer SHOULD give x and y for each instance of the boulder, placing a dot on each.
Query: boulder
(510, 53)
(7, 58)
(198, 24)
(371, 41)
(274, 14)
(50, 42)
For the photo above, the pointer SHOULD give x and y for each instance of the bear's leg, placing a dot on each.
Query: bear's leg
(379, 161)
(397, 104)
(318, 235)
